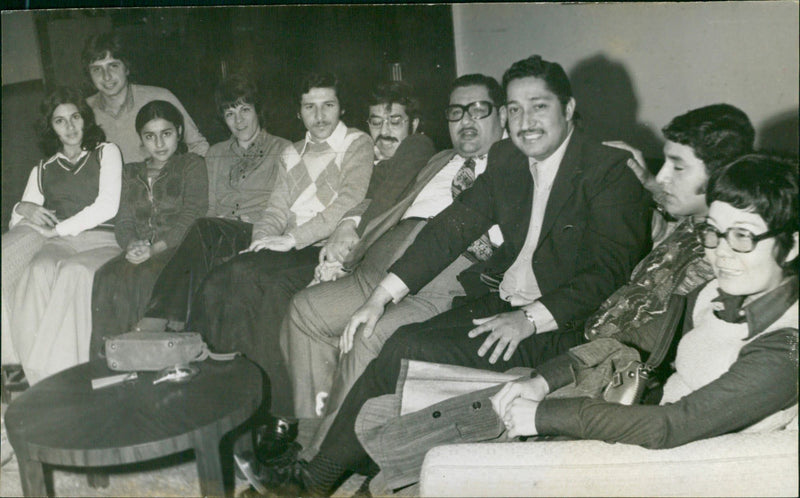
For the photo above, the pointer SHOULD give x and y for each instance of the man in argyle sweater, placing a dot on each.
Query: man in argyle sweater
(321, 178)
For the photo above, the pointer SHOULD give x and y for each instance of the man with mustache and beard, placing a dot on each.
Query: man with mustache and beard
(575, 221)
(317, 315)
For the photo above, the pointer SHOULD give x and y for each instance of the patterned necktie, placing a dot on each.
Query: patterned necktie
(481, 249)
(464, 178)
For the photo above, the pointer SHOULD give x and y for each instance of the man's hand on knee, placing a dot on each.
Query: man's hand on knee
(505, 329)
(367, 315)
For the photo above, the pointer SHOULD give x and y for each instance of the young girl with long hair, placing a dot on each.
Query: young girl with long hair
(161, 198)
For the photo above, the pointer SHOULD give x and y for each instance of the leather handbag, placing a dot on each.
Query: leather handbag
(151, 351)
(629, 383)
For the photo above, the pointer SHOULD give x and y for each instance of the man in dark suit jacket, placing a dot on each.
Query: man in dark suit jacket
(575, 223)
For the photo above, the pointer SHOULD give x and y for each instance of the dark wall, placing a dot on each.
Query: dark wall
(186, 50)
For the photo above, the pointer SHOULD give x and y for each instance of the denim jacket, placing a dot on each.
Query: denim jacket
(178, 196)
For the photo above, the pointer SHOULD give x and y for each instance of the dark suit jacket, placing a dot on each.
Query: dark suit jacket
(381, 223)
(595, 227)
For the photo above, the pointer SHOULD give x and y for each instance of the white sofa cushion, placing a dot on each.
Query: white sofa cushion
(742, 464)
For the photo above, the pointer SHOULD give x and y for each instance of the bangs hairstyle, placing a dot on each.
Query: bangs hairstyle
(320, 80)
(98, 46)
(717, 133)
(92, 134)
(236, 90)
(396, 92)
(551, 73)
(496, 94)
(765, 185)
(162, 109)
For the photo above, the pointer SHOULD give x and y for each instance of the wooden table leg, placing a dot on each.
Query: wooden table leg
(209, 465)
(31, 473)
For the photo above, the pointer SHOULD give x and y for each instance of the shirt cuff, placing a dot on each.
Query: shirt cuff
(542, 317)
(395, 287)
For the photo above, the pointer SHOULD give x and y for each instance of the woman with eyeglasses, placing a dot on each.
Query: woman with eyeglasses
(735, 367)
(736, 363)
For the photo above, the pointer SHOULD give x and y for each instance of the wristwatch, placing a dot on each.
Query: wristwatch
(530, 317)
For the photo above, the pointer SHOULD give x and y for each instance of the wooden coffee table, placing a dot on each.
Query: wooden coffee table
(62, 421)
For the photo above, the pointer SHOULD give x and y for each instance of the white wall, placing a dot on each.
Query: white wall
(678, 56)
(21, 60)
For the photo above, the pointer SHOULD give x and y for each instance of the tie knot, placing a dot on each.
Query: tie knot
(469, 163)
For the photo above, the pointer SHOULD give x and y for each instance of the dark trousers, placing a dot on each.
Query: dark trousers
(240, 307)
(208, 243)
(442, 339)
(120, 294)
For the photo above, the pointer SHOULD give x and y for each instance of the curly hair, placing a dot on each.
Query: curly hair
(396, 92)
(93, 135)
(235, 90)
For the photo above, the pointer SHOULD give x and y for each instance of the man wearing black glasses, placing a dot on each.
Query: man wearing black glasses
(574, 220)
(698, 144)
(363, 247)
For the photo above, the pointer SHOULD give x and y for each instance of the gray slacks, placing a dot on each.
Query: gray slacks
(317, 316)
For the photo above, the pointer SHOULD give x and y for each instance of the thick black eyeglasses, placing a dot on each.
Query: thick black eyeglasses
(739, 239)
(476, 110)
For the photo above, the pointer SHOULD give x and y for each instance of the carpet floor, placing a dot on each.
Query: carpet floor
(174, 476)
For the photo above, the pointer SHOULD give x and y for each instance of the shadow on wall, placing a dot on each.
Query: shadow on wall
(780, 133)
(609, 107)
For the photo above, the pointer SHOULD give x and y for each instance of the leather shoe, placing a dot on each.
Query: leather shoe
(273, 439)
(287, 479)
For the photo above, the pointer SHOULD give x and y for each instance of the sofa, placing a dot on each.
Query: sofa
(739, 464)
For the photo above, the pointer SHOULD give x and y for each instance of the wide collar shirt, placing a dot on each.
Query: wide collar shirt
(335, 141)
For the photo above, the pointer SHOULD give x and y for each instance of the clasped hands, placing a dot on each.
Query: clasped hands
(140, 251)
(516, 404)
(334, 253)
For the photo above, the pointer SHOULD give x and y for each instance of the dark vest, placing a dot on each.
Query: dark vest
(69, 188)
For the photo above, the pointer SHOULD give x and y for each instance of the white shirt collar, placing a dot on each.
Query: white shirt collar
(335, 140)
(545, 172)
(60, 154)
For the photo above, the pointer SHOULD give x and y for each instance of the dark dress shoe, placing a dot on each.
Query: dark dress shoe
(273, 439)
(287, 479)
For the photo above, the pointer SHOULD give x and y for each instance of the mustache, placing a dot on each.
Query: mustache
(387, 138)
